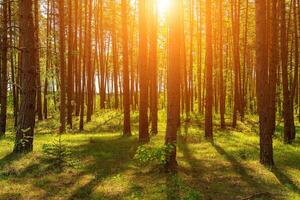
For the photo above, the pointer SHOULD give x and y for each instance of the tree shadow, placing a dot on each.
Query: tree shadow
(101, 157)
(106, 162)
(199, 167)
(9, 158)
(173, 188)
(285, 180)
(237, 166)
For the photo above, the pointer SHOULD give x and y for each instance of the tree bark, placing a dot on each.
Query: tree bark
(115, 56)
(70, 66)
(208, 74)
(221, 81)
(153, 67)
(26, 118)
(285, 82)
(62, 66)
(126, 92)
(173, 84)
(37, 57)
(4, 77)
(143, 50)
(262, 85)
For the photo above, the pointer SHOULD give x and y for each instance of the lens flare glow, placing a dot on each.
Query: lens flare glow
(163, 6)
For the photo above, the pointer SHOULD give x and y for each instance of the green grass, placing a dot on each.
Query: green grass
(103, 166)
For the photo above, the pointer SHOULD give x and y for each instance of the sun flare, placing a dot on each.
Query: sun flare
(163, 6)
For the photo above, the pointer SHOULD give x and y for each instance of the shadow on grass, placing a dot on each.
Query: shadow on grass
(285, 180)
(106, 161)
(216, 172)
(172, 187)
(237, 166)
(9, 158)
(100, 158)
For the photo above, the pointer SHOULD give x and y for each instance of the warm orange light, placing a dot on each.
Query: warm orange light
(163, 6)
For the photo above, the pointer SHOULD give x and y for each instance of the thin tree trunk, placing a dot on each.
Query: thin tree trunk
(89, 71)
(37, 57)
(62, 67)
(4, 77)
(208, 74)
(115, 56)
(126, 92)
(285, 81)
(153, 67)
(70, 66)
(222, 91)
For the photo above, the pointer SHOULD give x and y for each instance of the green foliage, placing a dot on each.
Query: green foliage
(146, 155)
(57, 153)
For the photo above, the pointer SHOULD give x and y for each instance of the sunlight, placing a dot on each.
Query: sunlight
(162, 6)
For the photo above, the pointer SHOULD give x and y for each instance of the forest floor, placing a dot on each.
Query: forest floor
(101, 164)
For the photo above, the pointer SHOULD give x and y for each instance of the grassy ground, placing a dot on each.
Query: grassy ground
(102, 165)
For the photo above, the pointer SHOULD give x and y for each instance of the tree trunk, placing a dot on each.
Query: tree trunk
(208, 75)
(26, 118)
(115, 56)
(126, 92)
(263, 86)
(70, 66)
(273, 66)
(3, 75)
(173, 85)
(62, 66)
(222, 91)
(153, 67)
(102, 62)
(285, 82)
(37, 57)
(143, 50)
(89, 71)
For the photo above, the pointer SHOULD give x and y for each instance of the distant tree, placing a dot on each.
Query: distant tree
(37, 57)
(48, 57)
(295, 84)
(237, 107)
(70, 84)
(83, 70)
(221, 65)
(115, 55)
(287, 100)
(199, 57)
(153, 65)
(126, 92)
(89, 67)
(13, 59)
(274, 61)
(62, 69)
(208, 74)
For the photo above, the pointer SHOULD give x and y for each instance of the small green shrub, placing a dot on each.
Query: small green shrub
(57, 153)
(146, 154)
